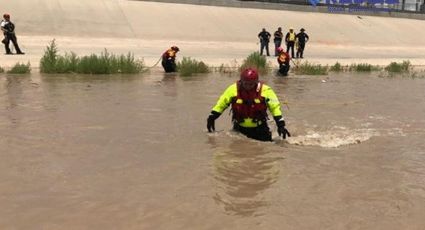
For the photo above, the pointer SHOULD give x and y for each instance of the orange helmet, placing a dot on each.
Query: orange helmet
(249, 74)
(6, 16)
(175, 48)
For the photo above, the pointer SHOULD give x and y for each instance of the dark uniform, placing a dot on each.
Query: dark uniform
(278, 36)
(264, 41)
(302, 39)
(8, 29)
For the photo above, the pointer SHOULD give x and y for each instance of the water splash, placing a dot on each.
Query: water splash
(334, 138)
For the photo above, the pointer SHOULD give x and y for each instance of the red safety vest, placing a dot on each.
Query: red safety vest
(249, 104)
(283, 58)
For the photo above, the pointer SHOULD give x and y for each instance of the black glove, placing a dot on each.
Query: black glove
(281, 130)
(211, 121)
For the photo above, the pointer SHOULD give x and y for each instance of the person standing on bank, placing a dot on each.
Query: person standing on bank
(250, 99)
(302, 40)
(278, 36)
(290, 41)
(264, 41)
(8, 29)
(169, 59)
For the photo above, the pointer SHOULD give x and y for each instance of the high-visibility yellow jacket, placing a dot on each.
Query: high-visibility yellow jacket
(290, 37)
(227, 98)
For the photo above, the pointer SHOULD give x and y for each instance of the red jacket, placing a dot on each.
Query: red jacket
(169, 54)
(283, 58)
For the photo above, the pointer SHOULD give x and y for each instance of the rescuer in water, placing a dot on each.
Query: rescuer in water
(169, 59)
(249, 99)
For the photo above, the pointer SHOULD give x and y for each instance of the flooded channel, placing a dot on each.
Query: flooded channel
(132, 152)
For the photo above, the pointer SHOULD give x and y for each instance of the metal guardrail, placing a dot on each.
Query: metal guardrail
(418, 6)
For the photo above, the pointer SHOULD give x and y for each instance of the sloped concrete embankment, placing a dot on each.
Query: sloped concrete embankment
(213, 34)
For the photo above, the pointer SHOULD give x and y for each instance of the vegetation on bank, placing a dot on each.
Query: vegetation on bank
(307, 68)
(363, 67)
(337, 67)
(20, 68)
(188, 66)
(257, 61)
(395, 67)
(404, 69)
(105, 63)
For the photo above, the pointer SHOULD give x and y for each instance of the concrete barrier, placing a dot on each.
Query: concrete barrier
(292, 7)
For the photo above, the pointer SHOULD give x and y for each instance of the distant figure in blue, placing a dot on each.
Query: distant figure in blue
(302, 38)
(278, 36)
(264, 41)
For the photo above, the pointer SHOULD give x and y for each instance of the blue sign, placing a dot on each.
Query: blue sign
(314, 2)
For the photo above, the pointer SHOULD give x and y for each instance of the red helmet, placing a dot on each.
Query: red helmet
(249, 74)
(279, 49)
(175, 48)
(6, 15)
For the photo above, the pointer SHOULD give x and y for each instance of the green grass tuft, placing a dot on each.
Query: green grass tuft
(1, 70)
(257, 61)
(337, 67)
(105, 63)
(49, 59)
(19, 68)
(189, 66)
(307, 68)
(363, 67)
(395, 67)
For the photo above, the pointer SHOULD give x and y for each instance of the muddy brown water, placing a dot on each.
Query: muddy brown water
(132, 152)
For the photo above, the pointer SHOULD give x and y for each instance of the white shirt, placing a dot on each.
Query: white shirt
(3, 24)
